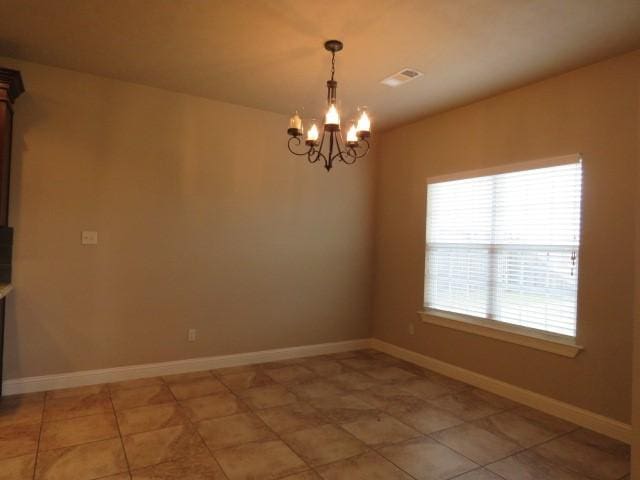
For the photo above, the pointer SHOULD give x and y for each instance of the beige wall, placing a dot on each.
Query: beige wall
(592, 111)
(205, 221)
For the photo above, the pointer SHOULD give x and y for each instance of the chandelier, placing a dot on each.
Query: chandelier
(330, 147)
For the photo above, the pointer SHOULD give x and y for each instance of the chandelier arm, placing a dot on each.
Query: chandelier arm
(297, 143)
(349, 155)
(365, 150)
(353, 151)
(340, 153)
(318, 152)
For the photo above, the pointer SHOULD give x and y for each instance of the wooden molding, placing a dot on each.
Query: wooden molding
(11, 83)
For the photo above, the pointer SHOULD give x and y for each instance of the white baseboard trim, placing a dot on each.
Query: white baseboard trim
(585, 418)
(106, 375)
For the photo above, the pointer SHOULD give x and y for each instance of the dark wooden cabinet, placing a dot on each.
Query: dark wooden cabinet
(10, 88)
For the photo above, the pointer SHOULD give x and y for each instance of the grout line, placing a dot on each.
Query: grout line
(124, 451)
(35, 460)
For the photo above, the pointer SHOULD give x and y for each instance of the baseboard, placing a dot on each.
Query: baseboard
(585, 418)
(106, 375)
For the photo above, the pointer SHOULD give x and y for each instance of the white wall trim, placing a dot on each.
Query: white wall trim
(585, 418)
(527, 337)
(106, 375)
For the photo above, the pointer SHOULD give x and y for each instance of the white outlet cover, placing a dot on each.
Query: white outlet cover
(89, 237)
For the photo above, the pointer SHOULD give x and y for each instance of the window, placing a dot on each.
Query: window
(505, 247)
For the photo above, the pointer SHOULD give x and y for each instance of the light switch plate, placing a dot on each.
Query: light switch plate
(89, 237)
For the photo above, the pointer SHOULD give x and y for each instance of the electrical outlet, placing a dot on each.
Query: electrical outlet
(89, 237)
(191, 335)
(411, 328)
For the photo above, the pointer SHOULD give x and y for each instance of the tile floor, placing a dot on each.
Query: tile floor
(353, 416)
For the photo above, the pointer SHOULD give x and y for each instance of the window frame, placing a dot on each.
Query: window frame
(538, 339)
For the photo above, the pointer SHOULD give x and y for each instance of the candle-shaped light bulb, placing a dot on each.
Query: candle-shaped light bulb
(332, 117)
(295, 121)
(352, 136)
(312, 133)
(364, 124)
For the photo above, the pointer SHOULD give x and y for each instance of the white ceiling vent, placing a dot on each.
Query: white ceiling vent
(403, 76)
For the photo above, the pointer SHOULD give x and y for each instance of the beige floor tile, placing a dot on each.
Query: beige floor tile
(308, 475)
(136, 383)
(391, 374)
(158, 446)
(290, 418)
(545, 421)
(325, 444)
(234, 430)
(18, 440)
(20, 411)
(426, 459)
(494, 400)
(380, 431)
(75, 431)
(408, 366)
(77, 391)
(369, 466)
(218, 372)
(531, 466)
(316, 388)
(195, 467)
(363, 363)
(480, 474)
(237, 382)
(386, 358)
(200, 387)
(325, 367)
(423, 388)
(343, 409)
(353, 381)
(23, 397)
(448, 382)
(523, 431)
(423, 417)
(140, 397)
(259, 461)
(588, 454)
(279, 364)
(464, 405)
(343, 355)
(476, 443)
(77, 406)
(151, 417)
(267, 396)
(291, 374)
(212, 406)
(186, 377)
(601, 442)
(82, 462)
(18, 468)
(384, 396)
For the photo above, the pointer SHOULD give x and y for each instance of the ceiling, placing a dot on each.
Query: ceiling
(268, 54)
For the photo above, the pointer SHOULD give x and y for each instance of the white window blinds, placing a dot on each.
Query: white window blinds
(505, 247)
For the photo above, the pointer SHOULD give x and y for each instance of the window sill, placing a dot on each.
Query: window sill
(547, 342)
